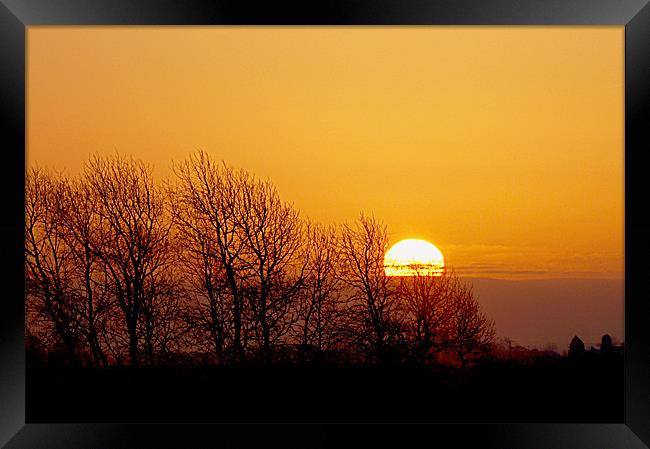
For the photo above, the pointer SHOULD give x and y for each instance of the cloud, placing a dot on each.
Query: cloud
(530, 261)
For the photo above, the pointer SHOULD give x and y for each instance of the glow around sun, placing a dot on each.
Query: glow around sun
(414, 257)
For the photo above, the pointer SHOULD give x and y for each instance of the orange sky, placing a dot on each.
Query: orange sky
(503, 146)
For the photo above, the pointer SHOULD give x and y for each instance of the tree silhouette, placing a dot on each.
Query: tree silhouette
(275, 261)
(321, 307)
(471, 331)
(208, 204)
(134, 241)
(48, 271)
(82, 228)
(427, 301)
(372, 302)
(120, 270)
(443, 315)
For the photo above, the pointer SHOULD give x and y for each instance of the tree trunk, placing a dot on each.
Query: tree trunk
(71, 350)
(463, 361)
(133, 343)
(98, 354)
(237, 321)
(266, 340)
(237, 346)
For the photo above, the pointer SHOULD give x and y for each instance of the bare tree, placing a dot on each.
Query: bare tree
(372, 303)
(243, 250)
(470, 331)
(210, 304)
(207, 200)
(321, 309)
(115, 269)
(443, 315)
(48, 273)
(275, 261)
(134, 240)
(82, 227)
(162, 326)
(427, 302)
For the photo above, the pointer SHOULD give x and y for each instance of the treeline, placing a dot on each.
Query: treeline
(123, 270)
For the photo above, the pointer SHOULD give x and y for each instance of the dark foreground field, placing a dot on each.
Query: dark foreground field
(560, 390)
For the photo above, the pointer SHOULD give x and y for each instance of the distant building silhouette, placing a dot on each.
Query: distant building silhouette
(607, 347)
(605, 342)
(576, 347)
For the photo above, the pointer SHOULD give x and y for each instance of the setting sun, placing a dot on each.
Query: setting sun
(413, 257)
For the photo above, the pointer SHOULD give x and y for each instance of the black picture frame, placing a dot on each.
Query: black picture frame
(16, 15)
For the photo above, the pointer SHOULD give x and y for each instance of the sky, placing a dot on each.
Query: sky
(537, 313)
(502, 146)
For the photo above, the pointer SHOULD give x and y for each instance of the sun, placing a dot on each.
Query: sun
(414, 257)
